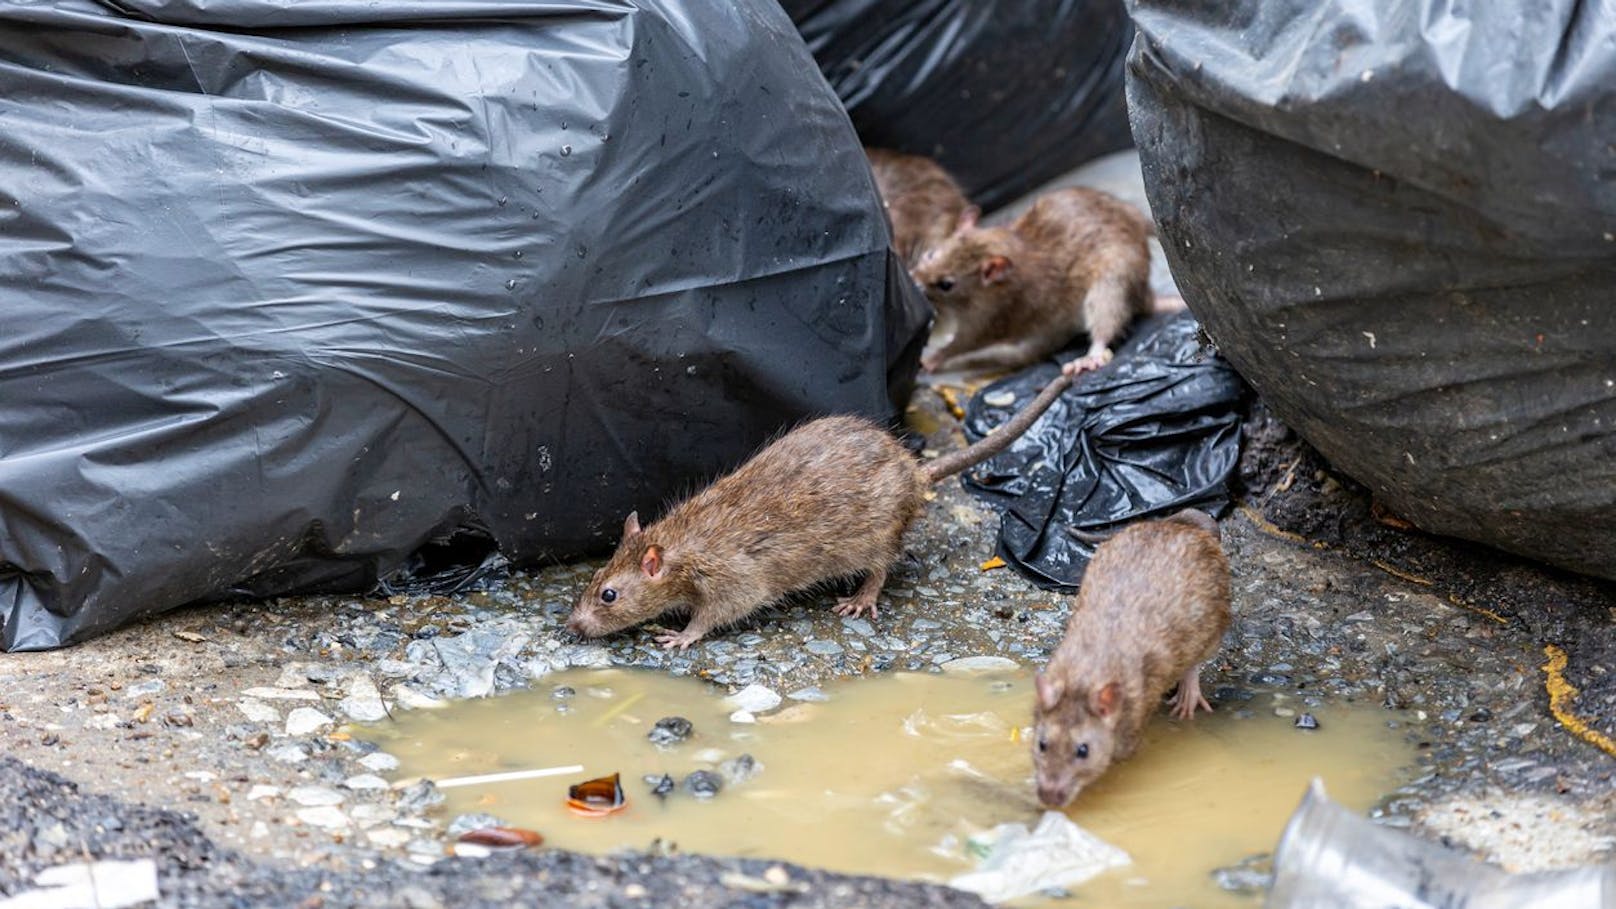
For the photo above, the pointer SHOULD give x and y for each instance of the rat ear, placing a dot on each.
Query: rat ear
(967, 218)
(651, 563)
(631, 524)
(994, 268)
(1049, 691)
(1104, 701)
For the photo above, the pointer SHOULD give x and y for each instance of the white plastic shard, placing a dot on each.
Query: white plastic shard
(99, 885)
(1056, 853)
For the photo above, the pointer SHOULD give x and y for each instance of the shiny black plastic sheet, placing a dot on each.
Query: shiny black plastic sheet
(1006, 94)
(1156, 431)
(326, 295)
(1398, 221)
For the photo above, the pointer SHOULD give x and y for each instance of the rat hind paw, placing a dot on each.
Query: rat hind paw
(855, 605)
(1188, 697)
(1087, 363)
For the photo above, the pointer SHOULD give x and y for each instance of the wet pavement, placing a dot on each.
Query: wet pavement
(215, 737)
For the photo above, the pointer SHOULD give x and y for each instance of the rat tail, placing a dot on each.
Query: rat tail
(1001, 437)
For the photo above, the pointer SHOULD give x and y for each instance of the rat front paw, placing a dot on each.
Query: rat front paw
(1088, 363)
(681, 639)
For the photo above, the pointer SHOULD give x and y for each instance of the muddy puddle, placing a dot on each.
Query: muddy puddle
(891, 775)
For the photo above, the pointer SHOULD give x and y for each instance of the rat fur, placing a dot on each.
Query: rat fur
(831, 499)
(1153, 606)
(1077, 261)
(923, 202)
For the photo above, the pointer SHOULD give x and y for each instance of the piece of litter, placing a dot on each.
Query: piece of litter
(190, 637)
(1057, 853)
(101, 885)
(993, 563)
(508, 776)
(735, 880)
(979, 664)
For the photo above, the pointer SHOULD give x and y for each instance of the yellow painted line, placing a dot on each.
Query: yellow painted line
(1561, 694)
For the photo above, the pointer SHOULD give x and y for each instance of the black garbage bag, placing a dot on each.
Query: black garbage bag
(316, 296)
(1006, 94)
(1156, 431)
(1397, 220)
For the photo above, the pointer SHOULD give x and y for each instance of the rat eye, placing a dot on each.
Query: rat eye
(608, 595)
(944, 284)
(1083, 751)
(1043, 744)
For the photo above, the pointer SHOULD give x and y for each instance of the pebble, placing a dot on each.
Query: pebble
(307, 721)
(660, 785)
(371, 815)
(703, 784)
(388, 837)
(815, 695)
(364, 701)
(822, 647)
(743, 717)
(753, 699)
(326, 816)
(263, 792)
(257, 711)
(1284, 711)
(670, 730)
(365, 782)
(314, 796)
(145, 689)
(283, 694)
(419, 796)
(979, 664)
(562, 692)
(290, 753)
(411, 699)
(858, 626)
(1003, 398)
(1307, 721)
(466, 823)
(379, 761)
(739, 769)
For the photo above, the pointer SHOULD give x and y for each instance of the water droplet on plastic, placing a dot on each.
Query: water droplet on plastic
(503, 200)
(517, 254)
(566, 150)
(511, 284)
(563, 124)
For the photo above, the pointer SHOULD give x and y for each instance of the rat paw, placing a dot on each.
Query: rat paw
(1087, 363)
(856, 605)
(681, 639)
(1184, 704)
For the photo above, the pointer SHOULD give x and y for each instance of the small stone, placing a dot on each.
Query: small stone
(858, 626)
(371, 815)
(1481, 715)
(1001, 398)
(776, 875)
(739, 769)
(379, 761)
(290, 753)
(660, 785)
(145, 689)
(283, 694)
(743, 717)
(466, 823)
(979, 664)
(814, 695)
(821, 647)
(471, 850)
(670, 730)
(411, 699)
(388, 837)
(314, 796)
(1306, 721)
(256, 742)
(562, 692)
(419, 796)
(263, 792)
(307, 721)
(364, 701)
(753, 699)
(326, 816)
(1284, 711)
(365, 782)
(634, 891)
(703, 784)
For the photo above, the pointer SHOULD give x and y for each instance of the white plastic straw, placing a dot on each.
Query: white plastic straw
(509, 776)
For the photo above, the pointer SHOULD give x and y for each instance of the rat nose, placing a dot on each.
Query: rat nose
(1053, 796)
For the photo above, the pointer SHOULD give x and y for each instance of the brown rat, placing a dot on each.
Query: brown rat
(923, 202)
(1077, 261)
(831, 499)
(1153, 606)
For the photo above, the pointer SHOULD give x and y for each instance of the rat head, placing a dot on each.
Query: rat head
(634, 586)
(1074, 734)
(968, 263)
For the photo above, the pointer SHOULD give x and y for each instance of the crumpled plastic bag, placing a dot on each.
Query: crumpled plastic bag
(1056, 853)
(1156, 431)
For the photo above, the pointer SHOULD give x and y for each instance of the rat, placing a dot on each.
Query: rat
(1153, 606)
(1077, 261)
(830, 499)
(923, 202)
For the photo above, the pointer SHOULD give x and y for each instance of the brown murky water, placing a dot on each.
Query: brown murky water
(891, 774)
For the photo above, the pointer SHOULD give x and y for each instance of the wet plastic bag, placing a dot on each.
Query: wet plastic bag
(1155, 432)
(1397, 221)
(1007, 94)
(295, 293)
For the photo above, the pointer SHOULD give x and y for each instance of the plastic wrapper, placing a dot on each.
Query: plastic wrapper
(1156, 431)
(1397, 221)
(315, 296)
(1006, 94)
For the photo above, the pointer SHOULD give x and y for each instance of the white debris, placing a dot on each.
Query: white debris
(1057, 853)
(99, 885)
(743, 716)
(290, 753)
(307, 721)
(388, 837)
(263, 792)
(365, 781)
(753, 698)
